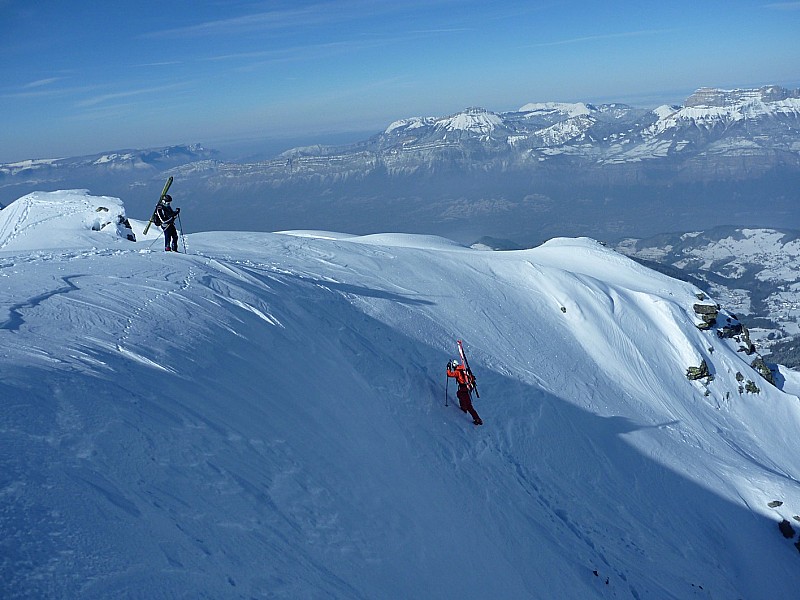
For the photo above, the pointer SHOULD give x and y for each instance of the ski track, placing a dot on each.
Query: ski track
(18, 212)
(140, 313)
(17, 222)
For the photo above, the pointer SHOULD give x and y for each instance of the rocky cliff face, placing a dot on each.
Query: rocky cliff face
(707, 97)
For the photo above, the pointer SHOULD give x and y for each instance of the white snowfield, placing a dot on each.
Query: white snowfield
(264, 417)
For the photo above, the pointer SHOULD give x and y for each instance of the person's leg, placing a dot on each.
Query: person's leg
(465, 402)
(463, 399)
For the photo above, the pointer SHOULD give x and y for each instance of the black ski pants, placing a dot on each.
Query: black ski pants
(171, 238)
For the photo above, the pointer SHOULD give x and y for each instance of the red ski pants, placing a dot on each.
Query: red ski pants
(465, 402)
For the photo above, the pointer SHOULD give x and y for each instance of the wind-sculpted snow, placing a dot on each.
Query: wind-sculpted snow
(265, 417)
(47, 220)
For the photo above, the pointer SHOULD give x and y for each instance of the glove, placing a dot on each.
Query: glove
(177, 210)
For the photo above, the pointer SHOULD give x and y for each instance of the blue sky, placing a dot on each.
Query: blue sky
(90, 76)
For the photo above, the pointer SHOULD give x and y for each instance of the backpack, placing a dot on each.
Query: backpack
(156, 219)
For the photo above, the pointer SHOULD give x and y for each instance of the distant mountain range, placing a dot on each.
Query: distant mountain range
(724, 157)
(120, 161)
(714, 128)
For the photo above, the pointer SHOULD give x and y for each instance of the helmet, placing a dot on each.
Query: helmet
(167, 198)
(454, 363)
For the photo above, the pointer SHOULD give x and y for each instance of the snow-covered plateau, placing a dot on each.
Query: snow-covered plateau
(267, 416)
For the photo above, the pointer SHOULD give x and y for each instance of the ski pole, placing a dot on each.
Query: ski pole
(150, 247)
(183, 238)
(446, 383)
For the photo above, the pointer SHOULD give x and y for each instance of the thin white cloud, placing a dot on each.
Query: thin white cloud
(103, 98)
(304, 52)
(41, 83)
(170, 63)
(34, 89)
(784, 5)
(335, 11)
(41, 92)
(307, 52)
(607, 36)
(237, 25)
(249, 61)
(446, 30)
(269, 20)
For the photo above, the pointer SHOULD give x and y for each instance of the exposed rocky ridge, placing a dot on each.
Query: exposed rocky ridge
(717, 97)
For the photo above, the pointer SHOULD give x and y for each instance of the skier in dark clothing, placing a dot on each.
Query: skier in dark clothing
(465, 384)
(167, 216)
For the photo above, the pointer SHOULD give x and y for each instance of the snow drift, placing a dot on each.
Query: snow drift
(265, 417)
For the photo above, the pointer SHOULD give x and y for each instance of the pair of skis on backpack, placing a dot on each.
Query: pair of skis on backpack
(160, 199)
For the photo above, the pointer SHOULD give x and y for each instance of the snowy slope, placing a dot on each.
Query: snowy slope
(265, 417)
(752, 271)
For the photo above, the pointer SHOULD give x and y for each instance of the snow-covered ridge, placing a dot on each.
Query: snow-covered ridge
(119, 161)
(569, 110)
(63, 219)
(560, 133)
(708, 97)
(265, 416)
(708, 107)
(474, 120)
(664, 111)
(412, 123)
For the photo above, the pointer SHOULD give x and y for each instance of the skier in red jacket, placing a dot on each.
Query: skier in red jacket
(465, 384)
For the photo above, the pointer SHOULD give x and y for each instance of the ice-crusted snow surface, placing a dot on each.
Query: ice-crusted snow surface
(265, 417)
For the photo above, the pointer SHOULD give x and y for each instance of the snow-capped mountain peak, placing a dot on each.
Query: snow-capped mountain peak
(473, 120)
(665, 111)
